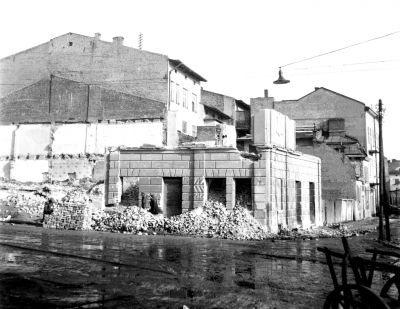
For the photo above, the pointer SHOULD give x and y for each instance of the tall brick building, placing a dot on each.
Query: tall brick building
(343, 132)
(104, 92)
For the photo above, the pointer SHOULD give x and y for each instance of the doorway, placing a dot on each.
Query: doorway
(172, 196)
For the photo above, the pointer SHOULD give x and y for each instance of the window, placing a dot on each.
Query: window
(70, 43)
(185, 98)
(298, 202)
(312, 202)
(194, 103)
(178, 94)
(194, 131)
(172, 92)
(184, 126)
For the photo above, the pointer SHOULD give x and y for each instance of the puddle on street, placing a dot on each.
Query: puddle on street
(117, 270)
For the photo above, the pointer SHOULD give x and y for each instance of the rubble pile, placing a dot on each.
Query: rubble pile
(331, 231)
(212, 220)
(131, 219)
(26, 201)
(215, 221)
(30, 203)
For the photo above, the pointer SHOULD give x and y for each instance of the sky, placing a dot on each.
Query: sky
(239, 45)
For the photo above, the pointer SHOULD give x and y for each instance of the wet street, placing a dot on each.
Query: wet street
(71, 269)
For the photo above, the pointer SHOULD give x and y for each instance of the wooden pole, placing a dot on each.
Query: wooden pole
(384, 206)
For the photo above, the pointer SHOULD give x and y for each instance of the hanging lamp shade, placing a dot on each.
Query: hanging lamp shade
(281, 79)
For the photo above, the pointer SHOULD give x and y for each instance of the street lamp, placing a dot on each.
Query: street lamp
(281, 80)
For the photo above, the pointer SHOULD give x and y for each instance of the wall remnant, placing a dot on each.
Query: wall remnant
(69, 216)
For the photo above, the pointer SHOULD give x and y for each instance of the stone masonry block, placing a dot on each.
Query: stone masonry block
(171, 157)
(259, 172)
(124, 172)
(259, 205)
(221, 172)
(162, 164)
(228, 164)
(186, 157)
(114, 172)
(140, 164)
(151, 157)
(155, 180)
(219, 156)
(185, 204)
(114, 156)
(130, 157)
(186, 188)
(206, 164)
(166, 172)
(229, 173)
(259, 214)
(234, 156)
(259, 189)
(144, 181)
(150, 172)
(133, 172)
(258, 197)
(124, 164)
(185, 180)
(180, 164)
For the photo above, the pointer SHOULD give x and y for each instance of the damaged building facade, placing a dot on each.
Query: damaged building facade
(66, 101)
(280, 186)
(343, 133)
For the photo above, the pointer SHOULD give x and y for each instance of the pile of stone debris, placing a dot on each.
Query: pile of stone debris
(25, 201)
(330, 231)
(212, 220)
(131, 219)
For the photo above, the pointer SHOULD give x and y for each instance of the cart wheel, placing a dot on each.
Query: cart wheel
(391, 288)
(354, 296)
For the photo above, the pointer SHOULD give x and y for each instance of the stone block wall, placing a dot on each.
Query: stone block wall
(69, 216)
(193, 166)
(273, 177)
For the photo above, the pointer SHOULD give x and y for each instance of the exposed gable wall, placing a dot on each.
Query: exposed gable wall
(323, 104)
(91, 61)
(74, 102)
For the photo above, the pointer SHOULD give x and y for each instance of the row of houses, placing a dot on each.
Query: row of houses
(78, 106)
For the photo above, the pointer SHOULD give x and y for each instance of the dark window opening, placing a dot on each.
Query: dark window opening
(130, 191)
(243, 193)
(312, 203)
(70, 43)
(298, 202)
(216, 189)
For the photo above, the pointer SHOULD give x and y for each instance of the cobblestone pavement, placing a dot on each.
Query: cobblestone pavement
(70, 269)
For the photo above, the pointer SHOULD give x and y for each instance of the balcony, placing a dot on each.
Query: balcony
(243, 120)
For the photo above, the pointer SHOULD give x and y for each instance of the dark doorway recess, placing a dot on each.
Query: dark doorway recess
(243, 193)
(216, 190)
(172, 196)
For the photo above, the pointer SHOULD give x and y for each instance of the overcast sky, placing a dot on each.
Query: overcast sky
(239, 45)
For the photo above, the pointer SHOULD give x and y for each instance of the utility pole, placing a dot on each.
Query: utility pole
(383, 205)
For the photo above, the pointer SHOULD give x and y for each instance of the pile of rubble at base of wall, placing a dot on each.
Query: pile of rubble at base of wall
(69, 216)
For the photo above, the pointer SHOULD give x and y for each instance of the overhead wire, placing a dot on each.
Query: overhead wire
(340, 49)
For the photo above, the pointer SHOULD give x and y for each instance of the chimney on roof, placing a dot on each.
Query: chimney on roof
(118, 40)
(97, 36)
(316, 88)
(265, 93)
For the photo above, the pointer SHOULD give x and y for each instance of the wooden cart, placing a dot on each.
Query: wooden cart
(359, 294)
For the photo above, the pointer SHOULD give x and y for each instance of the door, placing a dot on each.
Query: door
(172, 196)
